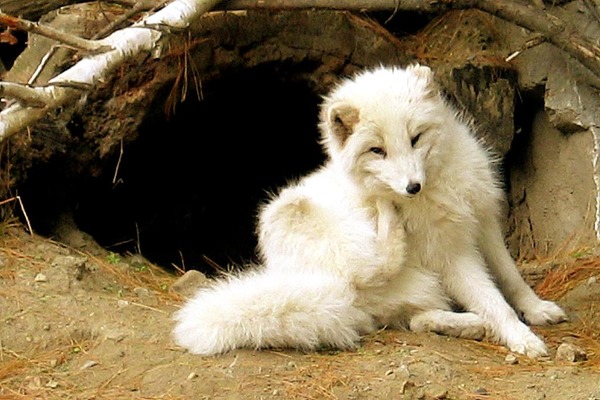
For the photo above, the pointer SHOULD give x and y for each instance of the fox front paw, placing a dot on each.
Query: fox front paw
(532, 348)
(544, 312)
(526, 342)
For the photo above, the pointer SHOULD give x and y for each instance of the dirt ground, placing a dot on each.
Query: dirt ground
(82, 323)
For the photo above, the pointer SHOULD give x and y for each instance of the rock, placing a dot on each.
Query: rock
(41, 278)
(35, 383)
(52, 384)
(141, 292)
(88, 364)
(570, 352)
(290, 366)
(487, 92)
(571, 105)
(189, 282)
(511, 359)
(146, 296)
(436, 392)
(76, 266)
(433, 392)
(114, 334)
(192, 375)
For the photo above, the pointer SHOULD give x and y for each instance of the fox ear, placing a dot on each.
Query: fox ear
(421, 71)
(341, 118)
(425, 74)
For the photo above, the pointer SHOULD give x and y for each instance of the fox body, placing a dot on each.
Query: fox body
(400, 223)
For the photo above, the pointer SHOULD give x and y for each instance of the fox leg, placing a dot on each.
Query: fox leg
(535, 311)
(468, 282)
(390, 249)
(465, 325)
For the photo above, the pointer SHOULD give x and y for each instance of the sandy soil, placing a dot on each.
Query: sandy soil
(83, 323)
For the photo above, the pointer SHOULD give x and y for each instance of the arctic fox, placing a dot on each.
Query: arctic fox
(399, 225)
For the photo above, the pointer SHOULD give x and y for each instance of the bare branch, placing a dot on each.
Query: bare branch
(49, 32)
(136, 8)
(142, 38)
(555, 30)
(357, 5)
(43, 62)
(25, 95)
(126, 43)
(33, 9)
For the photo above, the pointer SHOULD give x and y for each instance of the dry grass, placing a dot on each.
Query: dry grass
(570, 268)
(567, 276)
(448, 34)
(148, 276)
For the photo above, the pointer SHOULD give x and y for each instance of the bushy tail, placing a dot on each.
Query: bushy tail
(263, 309)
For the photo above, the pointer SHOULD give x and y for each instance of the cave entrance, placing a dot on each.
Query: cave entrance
(187, 189)
(185, 186)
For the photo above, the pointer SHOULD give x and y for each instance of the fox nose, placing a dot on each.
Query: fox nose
(413, 188)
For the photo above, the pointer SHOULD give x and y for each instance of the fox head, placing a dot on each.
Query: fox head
(382, 127)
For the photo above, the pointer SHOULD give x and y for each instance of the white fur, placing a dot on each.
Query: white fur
(270, 309)
(404, 214)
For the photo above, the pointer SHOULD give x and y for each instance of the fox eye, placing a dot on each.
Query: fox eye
(415, 139)
(377, 150)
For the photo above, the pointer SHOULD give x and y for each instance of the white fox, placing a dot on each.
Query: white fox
(401, 223)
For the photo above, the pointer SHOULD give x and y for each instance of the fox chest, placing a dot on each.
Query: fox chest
(435, 234)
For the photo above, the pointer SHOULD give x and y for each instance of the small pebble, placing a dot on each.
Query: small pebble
(436, 392)
(188, 283)
(41, 278)
(141, 292)
(52, 384)
(290, 365)
(403, 373)
(511, 359)
(192, 375)
(570, 352)
(88, 364)
(115, 335)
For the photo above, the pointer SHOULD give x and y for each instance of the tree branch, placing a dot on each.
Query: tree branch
(33, 9)
(49, 32)
(25, 95)
(356, 5)
(140, 38)
(555, 30)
